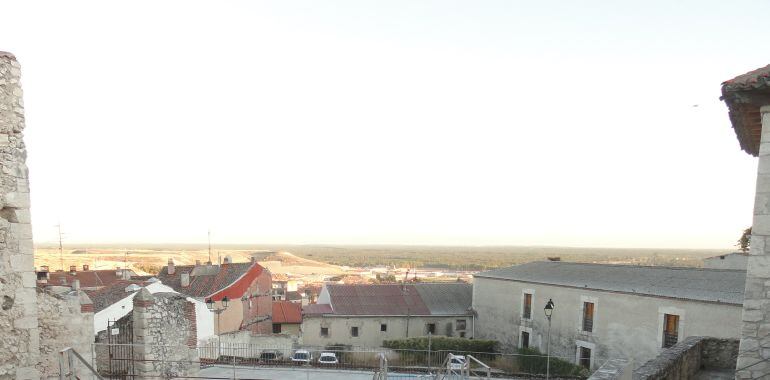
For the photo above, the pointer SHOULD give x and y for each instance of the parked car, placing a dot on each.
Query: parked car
(270, 357)
(328, 358)
(302, 357)
(456, 362)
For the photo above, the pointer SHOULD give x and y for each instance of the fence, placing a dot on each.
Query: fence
(225, 360)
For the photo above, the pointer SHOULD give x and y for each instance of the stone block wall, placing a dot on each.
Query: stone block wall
(688, 357)
(754, 360)
(19, 332)
(164, 335)
(66, 320)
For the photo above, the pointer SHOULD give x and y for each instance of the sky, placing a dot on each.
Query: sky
(592, 123)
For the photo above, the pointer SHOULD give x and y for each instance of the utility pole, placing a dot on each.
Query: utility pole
(209, 245)
(61, 248)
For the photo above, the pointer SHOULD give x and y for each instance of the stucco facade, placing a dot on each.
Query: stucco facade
(624, 325)
(370, 334)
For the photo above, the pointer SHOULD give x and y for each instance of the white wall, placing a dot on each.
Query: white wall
(369, 334)
(624, 324)
(204, 317)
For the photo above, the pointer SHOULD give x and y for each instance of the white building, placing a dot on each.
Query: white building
(604, 311)
(115, 301)
(365, 315)
(735, 260)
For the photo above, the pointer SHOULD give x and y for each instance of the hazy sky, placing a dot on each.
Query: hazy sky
(414, 122)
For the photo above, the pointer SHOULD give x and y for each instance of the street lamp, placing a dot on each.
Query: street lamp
(548, 310)
(210, 306)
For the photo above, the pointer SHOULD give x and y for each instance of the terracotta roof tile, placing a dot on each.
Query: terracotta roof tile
(108, 295)
(206, 280)
(287, 312)
(88, 279)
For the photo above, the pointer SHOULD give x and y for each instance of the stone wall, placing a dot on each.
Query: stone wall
(19, 333)
(66, 320)
(165, 335)
(755, 337)
(685, 359)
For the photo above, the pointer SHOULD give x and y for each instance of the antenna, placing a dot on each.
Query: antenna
(61, 248)
(209, 244)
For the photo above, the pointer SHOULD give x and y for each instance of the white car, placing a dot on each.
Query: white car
(328, 358)
(302, 357)
(456, 362)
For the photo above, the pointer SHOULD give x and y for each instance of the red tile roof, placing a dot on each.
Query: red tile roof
(744, 95)
(391, 299)
(751, 80)
(215, 281)
(88, 279)
(287, 312)
(108, 295)
(397, 299)
(317, 308)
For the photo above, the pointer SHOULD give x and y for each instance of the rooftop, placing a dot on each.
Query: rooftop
(287, 312)
(88, 278)
(108, 295)
(398, 299)
(744, 95)
(697, 284)
(206, 280)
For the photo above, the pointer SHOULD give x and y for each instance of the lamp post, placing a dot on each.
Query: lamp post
(548, 312)
(218, 311)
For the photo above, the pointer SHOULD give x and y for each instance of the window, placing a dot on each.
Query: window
(460, 324)
(324, 331)
(585, 357)
(431, 327)
(526, 312)
(670, 330)
(354, 331)
(524, 339)
(588, 316)
(276, 328)
(383, 327)
(462, 334)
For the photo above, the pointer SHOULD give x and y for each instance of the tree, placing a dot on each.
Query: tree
(744, 242)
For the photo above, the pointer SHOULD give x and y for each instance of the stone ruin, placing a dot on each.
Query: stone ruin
(34, 324)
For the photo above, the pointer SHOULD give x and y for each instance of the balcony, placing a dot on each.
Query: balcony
(669, 339)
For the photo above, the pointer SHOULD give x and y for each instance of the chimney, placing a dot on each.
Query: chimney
(228, 259)
(197, 263)
(126, 274)
(185, 279)
(44, 268)
(253, 259)
(118, 273)
(76, 285)
(63, 280)
(73, 269)
(85, 267)
(171, 269)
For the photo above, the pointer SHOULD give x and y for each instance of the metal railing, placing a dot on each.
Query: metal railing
(588, 324)
(669, 339)
(250, 359)
(69, 355)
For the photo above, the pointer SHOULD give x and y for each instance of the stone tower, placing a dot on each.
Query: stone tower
(19, 332)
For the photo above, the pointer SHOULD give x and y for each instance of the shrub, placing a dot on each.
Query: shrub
(530, 360)
(441, 343)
